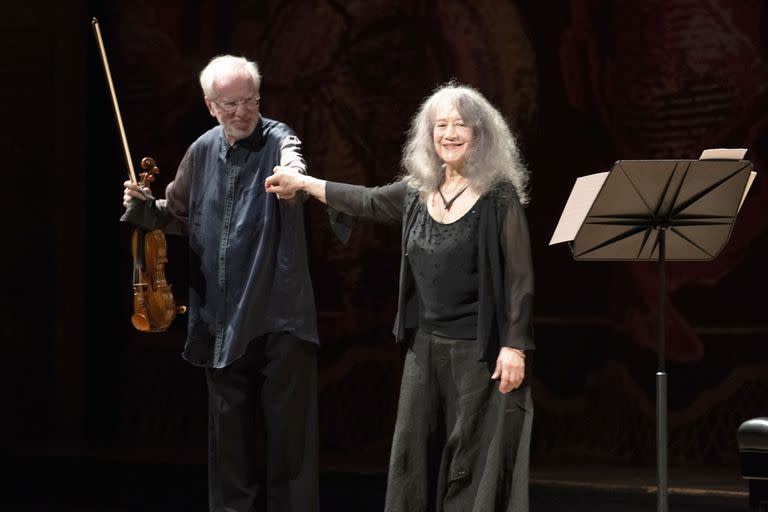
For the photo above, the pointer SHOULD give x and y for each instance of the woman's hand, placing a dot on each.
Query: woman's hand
(510, 369)
(284, 182)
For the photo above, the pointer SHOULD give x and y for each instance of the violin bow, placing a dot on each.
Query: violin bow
(123, 138)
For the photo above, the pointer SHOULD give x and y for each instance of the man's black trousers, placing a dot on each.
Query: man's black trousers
(275, 380)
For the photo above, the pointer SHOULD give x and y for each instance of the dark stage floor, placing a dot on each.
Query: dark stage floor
(66, 484)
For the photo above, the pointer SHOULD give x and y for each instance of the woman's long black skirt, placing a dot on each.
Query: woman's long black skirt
(459, 444)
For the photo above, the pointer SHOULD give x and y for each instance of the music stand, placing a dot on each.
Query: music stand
(661, 210)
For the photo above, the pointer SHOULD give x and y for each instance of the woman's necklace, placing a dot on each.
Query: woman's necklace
(448, 203)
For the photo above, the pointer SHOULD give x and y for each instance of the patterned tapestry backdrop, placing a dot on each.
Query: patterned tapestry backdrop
(583, 83)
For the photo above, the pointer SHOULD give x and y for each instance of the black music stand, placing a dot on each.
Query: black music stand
(660, 210)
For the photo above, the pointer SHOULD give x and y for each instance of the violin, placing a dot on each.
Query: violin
(154, 308)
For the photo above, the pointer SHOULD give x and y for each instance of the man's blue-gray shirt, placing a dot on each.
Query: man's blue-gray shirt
(248, 260)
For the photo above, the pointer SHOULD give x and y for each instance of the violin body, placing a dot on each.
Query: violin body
(153, 305)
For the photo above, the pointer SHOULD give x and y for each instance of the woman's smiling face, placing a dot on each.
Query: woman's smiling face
(452, 137)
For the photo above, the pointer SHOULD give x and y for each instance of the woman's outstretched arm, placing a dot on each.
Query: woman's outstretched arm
(377, 204)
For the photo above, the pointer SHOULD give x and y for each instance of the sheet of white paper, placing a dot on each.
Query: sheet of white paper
(582, 196)
(723, 154)
(746, 189)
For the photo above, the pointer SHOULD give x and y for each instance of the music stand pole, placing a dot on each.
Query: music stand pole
(662, 498)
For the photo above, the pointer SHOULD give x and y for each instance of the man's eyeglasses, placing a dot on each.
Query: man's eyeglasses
(230, 107)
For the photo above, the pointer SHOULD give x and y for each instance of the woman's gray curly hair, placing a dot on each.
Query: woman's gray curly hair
(493, 155)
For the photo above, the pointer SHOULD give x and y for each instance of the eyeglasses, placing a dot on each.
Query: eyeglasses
(230, 107)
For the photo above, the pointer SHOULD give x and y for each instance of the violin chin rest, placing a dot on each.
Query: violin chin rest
(140, 322)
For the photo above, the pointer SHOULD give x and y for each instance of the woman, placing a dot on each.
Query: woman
(466, 286)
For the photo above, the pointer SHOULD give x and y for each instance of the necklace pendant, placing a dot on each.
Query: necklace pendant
(447, 203)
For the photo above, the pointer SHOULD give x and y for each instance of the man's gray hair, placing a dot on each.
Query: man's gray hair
(493, 155)
(227, 64)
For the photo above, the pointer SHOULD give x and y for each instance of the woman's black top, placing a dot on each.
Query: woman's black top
(444, 262)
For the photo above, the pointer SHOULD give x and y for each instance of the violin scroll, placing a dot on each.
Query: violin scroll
(150, 170)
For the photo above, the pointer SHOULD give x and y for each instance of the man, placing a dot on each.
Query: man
(252, 318)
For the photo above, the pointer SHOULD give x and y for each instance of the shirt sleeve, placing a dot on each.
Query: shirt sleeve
(173, 211)
(290, 154)
(518, 278)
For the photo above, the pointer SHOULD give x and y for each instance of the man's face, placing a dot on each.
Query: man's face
(235, 104)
